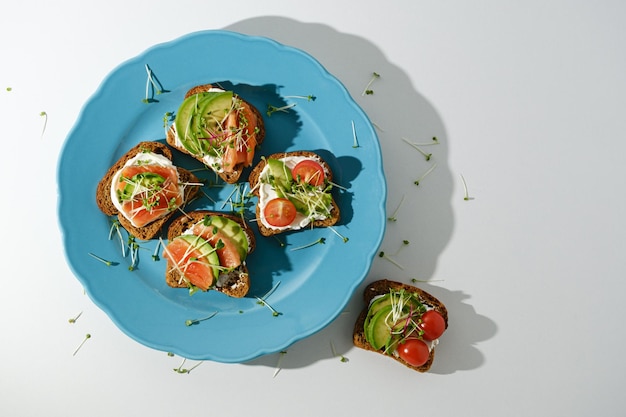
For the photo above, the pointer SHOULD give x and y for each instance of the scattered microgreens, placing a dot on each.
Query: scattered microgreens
(280, 242)
(9, 89)
(320, 241)
(425, 174)
(415, 146)
(45, 122)
(280, 359)
(181, 370)
(262, 300)
(334, 352)
(152, 83)
(273, 109)
(416, 280)
(197, 321)
(368, 91)
(170, 354)
(87, 336)
(382, 254)
(104, 261)
(393, 217)
(133, 246)
(354, 138)
(344, 238)
(466, 196)
(155, 255)
(73, 319)
(115, 227)
(310, 97)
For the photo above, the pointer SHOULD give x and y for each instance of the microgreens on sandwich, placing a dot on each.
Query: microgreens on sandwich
(104, 261)
(197, 321)
(87, 337)
(45, 122)
(425, 174)
(319, 241)
(73, 319)
(368, 91)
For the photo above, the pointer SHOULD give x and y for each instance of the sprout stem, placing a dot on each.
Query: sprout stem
(384, 256)
(280, 359)
(104, 261)
(344, 238)
(356, 142)
(426, 155)
(393, 217)
(466, 196)
(334, 352)
(45, 122)
(197, 321)
(367, 90)
(73, 319)
(417, 181)
(320, 241)
(273, 109)
(87, 336)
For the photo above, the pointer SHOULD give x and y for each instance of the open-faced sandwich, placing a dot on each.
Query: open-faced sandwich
(402, 322)
(219, 129)
(207, 250)
(294, 192)
(144, 188)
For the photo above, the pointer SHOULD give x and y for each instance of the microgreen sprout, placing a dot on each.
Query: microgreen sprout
(9, 89)
(73, 319)
(87, 337)
(368, 91)
(344, 238)
(425, 174)
(280, 242)
(393, 217)
(320, 241)
(265, 303)
(383, 255)
(197, 321)
(115, 227)
(45, 121)
(426, 155)
(378, 127)
(355, 143)
(152, 83)
(155, 255)
(416, 280)
(170, 354)
(310, 97)
(181, 370)
(167, 118)
(273, 109)
(278, 362)
(104, 261)
(334, 352)
(466, 196)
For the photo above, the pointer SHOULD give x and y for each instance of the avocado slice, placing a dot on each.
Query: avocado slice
(200, 114)
(206, 251)
(377, 332)
(280, 175)
(233, 230)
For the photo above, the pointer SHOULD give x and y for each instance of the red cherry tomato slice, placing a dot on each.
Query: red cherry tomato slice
(433, 325)
(279, 212)
(308, 171)
(414, 352)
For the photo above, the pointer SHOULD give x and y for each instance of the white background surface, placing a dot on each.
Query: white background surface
(528, 101)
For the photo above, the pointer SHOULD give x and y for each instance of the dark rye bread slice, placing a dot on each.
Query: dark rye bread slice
(382, 287)
(231, 177)
(255, 177)
(103, 190)
(238, 282)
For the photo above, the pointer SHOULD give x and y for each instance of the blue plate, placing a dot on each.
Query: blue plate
(309, 287)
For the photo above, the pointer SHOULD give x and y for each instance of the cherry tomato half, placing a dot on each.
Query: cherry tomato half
(433, 325)
(414, 352)
(279, 212)
(308, 171)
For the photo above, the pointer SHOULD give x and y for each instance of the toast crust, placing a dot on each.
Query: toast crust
(255, 178)
(237, 283)
(231, 177)
(382, 287)
(103, 190)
